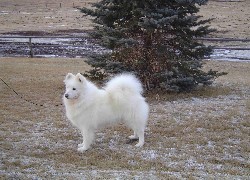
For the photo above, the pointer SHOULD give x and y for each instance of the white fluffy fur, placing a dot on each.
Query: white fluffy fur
(89, 108)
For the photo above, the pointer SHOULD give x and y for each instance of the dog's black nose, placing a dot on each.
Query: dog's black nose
(66, 95)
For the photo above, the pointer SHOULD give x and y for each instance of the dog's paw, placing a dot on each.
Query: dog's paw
(133, 137)
(139, 144)
(82, 149)
(80, 145)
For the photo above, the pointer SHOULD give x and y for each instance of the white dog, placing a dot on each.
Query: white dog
(89, 108)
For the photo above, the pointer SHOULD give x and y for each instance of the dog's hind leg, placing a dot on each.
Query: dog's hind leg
(82, 144)
(135, 136)
(140, 134)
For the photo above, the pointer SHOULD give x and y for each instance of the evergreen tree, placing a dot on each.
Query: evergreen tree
(155, 39)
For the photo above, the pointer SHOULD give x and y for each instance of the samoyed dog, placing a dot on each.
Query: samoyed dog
(89, 108)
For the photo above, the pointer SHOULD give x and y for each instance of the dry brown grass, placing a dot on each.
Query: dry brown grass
(29, 15)
(231, 18)
(204, 134)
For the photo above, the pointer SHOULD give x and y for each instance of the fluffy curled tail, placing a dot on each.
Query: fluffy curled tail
(125, 84)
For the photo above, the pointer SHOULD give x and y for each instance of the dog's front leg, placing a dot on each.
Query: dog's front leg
(88, 137)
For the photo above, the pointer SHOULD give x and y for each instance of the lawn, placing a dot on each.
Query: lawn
(203, 134)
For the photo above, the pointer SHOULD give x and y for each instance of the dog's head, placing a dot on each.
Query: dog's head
(74, 84)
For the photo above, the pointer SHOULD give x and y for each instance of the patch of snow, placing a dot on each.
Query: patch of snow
(231, 55)
(25, 13)
(234, 141)
(149, 154)
(210, 144)
(192, 163)
(4, 12)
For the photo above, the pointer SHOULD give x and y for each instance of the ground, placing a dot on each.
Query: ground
(199, 135)
(204, 134)
(231, 19)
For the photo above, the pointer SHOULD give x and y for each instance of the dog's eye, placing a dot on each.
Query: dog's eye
(74, 89)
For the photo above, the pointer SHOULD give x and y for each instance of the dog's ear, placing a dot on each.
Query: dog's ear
(80, 78)
(68, 76)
